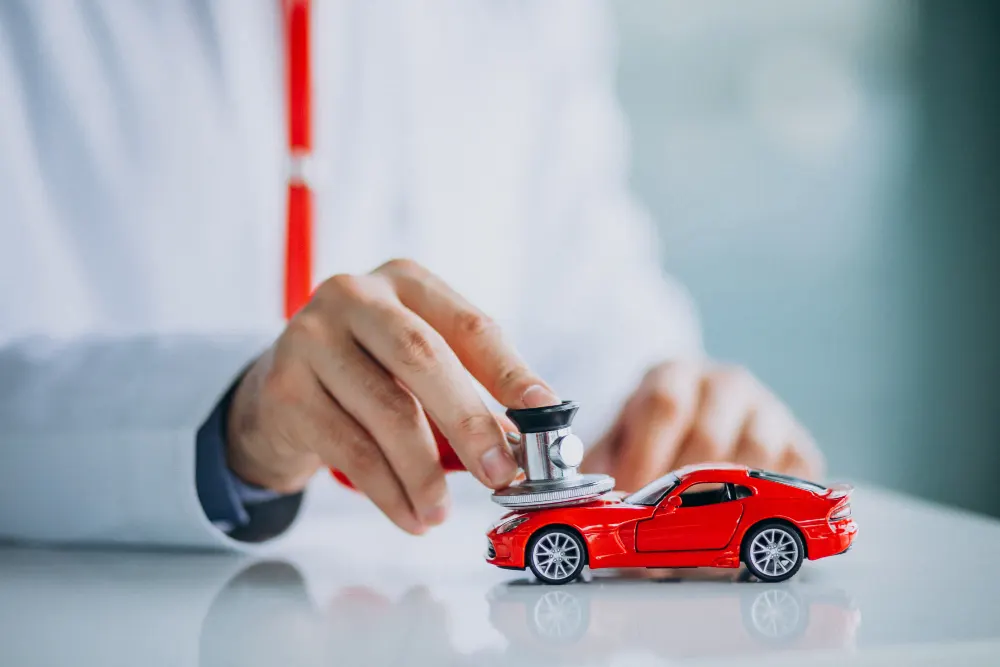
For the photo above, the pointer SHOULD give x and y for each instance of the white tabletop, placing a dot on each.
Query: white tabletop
(347, 588)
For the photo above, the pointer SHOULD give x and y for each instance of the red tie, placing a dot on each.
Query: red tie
(298, 240)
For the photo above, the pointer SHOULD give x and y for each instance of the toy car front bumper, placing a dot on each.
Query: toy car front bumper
(505, 550)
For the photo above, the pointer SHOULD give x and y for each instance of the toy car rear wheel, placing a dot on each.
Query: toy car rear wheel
(556, 555)
(773, 551)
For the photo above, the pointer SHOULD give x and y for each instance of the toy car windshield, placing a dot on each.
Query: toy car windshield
(653, 492)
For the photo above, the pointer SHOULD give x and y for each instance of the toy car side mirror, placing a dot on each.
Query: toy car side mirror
(673, 502)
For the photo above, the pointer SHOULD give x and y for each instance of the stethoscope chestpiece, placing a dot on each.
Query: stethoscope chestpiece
(549, 454)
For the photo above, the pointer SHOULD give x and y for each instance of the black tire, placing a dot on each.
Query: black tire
(565, 558)
(773, 551)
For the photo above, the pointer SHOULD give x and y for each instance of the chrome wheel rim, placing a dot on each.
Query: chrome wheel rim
(774, 552)
(557, 615)
(556, 555)
(775, 614)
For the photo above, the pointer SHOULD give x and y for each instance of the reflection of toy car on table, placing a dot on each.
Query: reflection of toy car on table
(599, 619)
(702, 516)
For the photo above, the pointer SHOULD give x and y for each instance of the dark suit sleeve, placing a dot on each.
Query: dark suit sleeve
(247, 513)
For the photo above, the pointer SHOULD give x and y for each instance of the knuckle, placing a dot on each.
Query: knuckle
(704, 445)
(343, 286)
(281, 388)
(406, 411)
(511, 378)
(792, 463)
(734, 378)
(307, 324)
(415, 350)
(361, 457)
(476, 426)
(661, 399)
(656, 374)
(401, 266)
(474, 323)
(755, 448)
(673, 369)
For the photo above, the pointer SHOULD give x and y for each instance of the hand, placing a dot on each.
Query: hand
(353, 380)
(689, 412)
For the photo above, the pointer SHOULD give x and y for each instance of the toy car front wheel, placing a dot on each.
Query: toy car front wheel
(556, 555)
(773, 551)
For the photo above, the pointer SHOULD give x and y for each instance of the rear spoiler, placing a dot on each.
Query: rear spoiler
(836, 491)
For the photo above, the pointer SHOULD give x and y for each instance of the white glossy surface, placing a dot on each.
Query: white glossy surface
(919, 586)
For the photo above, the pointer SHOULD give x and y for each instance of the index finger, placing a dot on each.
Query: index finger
(414, 353)
(477, 340)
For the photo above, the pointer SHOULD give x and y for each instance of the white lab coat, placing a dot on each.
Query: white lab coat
(142, 174)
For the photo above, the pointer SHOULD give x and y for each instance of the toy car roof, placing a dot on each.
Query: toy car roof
(681, 473)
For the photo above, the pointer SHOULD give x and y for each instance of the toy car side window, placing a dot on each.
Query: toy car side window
(705, 493)
(740, 492)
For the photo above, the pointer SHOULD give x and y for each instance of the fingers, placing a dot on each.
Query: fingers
(657, 418)
(740, 421)
(685, 413)
(765, 436)
(802, 457)
(298, 418)
(727, 398)
(395, 420)
(414, 353)
(475, 338)
(346, 446)
(773, 440)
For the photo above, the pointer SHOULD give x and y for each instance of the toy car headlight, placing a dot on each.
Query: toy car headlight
(510, 524)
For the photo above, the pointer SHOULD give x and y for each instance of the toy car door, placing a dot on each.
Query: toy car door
(702, 516)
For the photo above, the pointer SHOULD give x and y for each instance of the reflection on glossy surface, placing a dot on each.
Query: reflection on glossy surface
(711, 615)
(207, 610)
(265, 616)
(251, 623)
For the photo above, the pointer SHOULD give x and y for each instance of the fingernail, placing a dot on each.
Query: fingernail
(537, 396)
(436, 514)
(498, 466)
(412, 524)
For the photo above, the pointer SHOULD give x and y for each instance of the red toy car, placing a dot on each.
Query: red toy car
(702, 516)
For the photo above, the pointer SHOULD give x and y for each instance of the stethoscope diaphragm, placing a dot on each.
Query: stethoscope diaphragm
(530, 494)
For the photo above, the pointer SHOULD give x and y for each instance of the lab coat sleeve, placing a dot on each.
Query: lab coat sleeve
(98, 438)
(601, 311)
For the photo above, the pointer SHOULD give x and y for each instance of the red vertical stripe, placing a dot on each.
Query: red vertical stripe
(298, 259)
(299, 232)
(299, 75)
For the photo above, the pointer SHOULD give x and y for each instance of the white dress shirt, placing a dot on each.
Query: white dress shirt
(142, 184)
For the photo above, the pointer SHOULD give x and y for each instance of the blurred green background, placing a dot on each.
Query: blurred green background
(826, 179)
